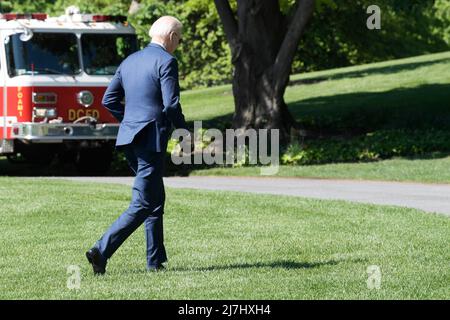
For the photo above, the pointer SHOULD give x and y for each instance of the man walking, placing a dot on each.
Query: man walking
(148, 80)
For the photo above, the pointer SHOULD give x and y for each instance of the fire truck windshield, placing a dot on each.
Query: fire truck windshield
(103, 53)
(44, 53)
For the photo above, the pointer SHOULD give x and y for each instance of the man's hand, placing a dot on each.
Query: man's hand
(190, 136)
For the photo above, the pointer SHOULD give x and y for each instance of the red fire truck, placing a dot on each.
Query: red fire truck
(53, 73)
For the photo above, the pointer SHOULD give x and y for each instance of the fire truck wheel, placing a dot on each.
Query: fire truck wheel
(94, 161)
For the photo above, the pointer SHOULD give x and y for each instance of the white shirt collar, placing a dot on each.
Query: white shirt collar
(159, 43)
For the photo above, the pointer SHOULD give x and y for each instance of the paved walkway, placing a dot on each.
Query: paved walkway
(427, 197)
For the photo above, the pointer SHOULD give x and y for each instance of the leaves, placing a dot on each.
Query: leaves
(383, 144)
(336, 37)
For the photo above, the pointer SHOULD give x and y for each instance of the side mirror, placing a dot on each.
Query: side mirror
(26, 35)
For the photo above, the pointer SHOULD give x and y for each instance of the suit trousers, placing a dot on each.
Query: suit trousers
(146, 206)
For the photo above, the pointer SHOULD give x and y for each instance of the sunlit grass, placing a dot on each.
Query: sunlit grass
(418, 170)
(221, 245)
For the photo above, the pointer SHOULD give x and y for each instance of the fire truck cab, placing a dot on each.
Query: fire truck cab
(53, 74)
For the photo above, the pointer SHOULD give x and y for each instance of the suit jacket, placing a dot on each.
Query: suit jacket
(148, 79)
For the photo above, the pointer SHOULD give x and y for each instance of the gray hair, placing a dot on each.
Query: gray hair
(164, 26)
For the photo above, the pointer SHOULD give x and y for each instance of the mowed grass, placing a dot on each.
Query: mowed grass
(221, 245)
(417, 170)
(412, 85)
(402, 93)
(410, 93)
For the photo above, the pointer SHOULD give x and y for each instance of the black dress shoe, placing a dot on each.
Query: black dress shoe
(95, 258)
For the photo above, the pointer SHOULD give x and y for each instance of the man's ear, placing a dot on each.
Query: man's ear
(171, 35)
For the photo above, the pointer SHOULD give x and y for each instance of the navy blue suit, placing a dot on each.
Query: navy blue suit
(148, 80)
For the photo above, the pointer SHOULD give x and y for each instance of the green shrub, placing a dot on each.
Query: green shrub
(369, 147)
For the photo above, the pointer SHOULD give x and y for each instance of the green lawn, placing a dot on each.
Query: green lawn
(415, 85)
(418, 170)
(221, 245)
(409, 94)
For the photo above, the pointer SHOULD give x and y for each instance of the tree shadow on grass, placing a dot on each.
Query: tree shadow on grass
(410, 107)
(279, 264)
(222, 122)
(425, 106)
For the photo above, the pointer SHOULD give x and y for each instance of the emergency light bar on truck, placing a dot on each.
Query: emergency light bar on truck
(24, 16)
(87, 18)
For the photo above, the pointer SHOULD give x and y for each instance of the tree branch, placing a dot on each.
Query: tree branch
(134, 7)
(285, 56)
(229, 22)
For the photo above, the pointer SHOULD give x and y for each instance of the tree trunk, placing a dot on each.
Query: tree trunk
(134, 7)
(263, 43)
(257, 103)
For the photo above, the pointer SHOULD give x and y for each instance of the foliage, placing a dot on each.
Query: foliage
(204, 55)
(337, 35)
(442, 11)
(369, 147)
(379, 145)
